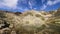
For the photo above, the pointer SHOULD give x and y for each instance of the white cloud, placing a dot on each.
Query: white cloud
(8, 3)
(43, 7)
(26, 9)
(49, 3)
(43, 1)
(30, 4)
(52, 2)
(23, 9)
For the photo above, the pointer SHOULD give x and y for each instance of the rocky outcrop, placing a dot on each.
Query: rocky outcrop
(29, 22)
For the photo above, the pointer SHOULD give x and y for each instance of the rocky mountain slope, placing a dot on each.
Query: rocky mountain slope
(30, 22)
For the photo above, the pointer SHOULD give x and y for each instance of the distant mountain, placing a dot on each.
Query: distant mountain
(30, 22)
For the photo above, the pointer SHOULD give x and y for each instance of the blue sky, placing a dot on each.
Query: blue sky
(23, 5)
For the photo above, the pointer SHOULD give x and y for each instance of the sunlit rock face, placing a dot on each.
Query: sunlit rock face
(32, 19)
(29, 22)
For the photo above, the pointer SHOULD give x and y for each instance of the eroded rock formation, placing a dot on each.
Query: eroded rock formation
(29, 22)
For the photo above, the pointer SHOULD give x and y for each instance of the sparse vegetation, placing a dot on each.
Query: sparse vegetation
(31, 22)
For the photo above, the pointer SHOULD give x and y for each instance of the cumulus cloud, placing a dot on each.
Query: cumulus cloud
(8, 3)
(29, 4)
